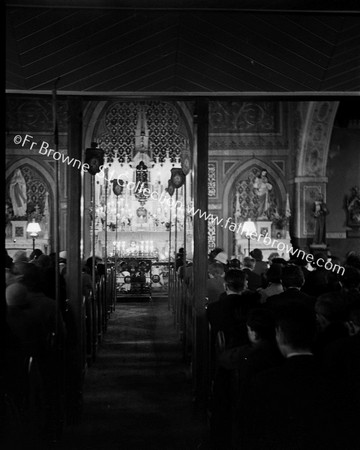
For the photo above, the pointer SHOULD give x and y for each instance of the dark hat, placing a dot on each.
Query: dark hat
(256, 253)
(274, 272)
(279, 261)
(234, 263)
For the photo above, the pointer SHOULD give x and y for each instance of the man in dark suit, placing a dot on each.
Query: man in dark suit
(254, 279)
(294, 406)
(261, 266)
(341, 361)
(317, 281)
(292, 279)
(227, 315)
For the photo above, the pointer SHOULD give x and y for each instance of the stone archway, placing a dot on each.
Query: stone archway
(311, 162)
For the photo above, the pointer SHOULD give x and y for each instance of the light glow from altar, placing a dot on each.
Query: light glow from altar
(138, 225)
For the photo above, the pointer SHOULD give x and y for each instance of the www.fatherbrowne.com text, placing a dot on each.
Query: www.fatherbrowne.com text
(122, 179)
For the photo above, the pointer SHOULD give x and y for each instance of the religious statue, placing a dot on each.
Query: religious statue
(320, 212)
(353, 207)
(262, 188)
(18, 194)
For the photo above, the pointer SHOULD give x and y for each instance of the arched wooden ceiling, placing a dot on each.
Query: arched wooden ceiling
(182, 46)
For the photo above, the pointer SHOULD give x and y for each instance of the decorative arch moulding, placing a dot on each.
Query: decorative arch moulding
(227, 165)
(280, 164)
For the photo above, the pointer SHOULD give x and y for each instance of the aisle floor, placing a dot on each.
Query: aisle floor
(138, 393)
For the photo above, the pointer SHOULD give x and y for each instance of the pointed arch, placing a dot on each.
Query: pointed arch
(46, 178)
(46, 175)
(315, 142)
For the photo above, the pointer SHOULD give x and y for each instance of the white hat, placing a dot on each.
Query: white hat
(63, 255)
(222, 257)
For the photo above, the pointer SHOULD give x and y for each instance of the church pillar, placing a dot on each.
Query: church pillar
(201, 370)
(75, 360)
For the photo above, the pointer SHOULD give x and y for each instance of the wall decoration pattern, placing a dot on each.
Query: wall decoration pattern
(246, 125)
(211, 235)
(35, 116)
(116, 135)
(244, 117)
(212, 180)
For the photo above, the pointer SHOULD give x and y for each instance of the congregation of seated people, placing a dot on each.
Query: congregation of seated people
(284, 346)
(36, 332)
(285, 351)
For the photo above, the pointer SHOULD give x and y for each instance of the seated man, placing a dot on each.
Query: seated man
(215, 282)
(260, 266)
(254, 279)
(294, 406)
(341, 360)
(273, 282)
(331, 311)
(292, 279)
(228, 316)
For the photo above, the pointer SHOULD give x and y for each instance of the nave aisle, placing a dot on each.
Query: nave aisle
(138, 393)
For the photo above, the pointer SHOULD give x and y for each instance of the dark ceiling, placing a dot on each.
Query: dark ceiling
(183, 46)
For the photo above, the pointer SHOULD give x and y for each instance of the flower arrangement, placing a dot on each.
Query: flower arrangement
(279, 220)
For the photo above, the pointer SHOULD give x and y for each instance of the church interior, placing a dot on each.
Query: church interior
(144, 136)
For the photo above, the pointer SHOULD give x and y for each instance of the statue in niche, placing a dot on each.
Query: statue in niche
(320, 212)
(262, 188)
(353, 207)
(18, 194)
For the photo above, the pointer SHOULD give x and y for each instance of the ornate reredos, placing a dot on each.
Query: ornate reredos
(154, 128)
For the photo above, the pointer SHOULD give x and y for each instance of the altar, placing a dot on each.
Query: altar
(139, 244)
